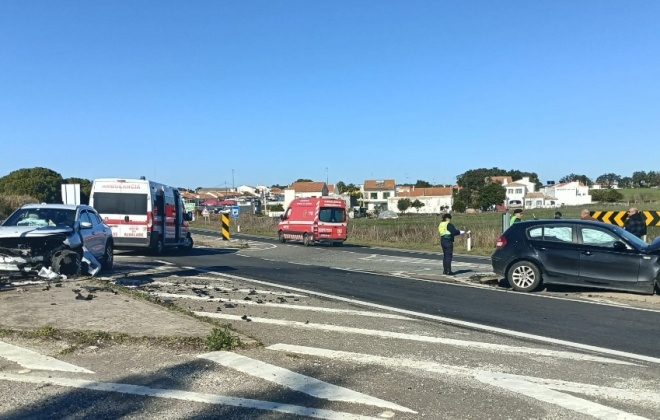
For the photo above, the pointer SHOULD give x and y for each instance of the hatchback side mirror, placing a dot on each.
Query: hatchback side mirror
(85, 225)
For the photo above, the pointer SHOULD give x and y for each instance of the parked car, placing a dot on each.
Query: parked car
(63, 238)
(576, 253)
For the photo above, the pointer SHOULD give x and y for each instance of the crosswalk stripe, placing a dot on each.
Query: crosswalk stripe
(547, 390)
(32, 360)
(283, 306)
(424, 338)
(296, 381)
(188, 396)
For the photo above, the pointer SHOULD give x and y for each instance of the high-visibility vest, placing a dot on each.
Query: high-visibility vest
(442, 229)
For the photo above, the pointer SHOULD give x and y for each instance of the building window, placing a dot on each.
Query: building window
(373, 196)
(510, 190)
(386, 195)
(518, 190)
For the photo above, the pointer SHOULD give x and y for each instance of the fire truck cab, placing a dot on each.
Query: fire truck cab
(314, 220)
(142, 213)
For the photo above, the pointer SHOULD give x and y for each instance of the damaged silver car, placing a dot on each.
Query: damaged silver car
(55, 238)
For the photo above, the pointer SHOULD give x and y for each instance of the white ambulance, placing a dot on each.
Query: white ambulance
(142, 213)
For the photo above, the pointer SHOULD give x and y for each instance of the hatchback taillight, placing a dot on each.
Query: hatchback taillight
(501, 242)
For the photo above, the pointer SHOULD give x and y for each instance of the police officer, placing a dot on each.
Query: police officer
(447, 233)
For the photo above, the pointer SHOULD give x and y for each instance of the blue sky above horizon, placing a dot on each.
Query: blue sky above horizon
(215, 93)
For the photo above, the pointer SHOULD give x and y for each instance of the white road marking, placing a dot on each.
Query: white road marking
(36, 361)
(188, 396)
(451, 321)
(296, 381)
(542, 389)
(284, 306)
(520, 386)
(423, 338)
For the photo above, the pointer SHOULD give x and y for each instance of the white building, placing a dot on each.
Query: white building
(376, 194)
(568, 193)
(436, 200)
(516, 191)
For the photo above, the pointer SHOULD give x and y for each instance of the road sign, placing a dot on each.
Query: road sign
(205, 212)
(235, 210)
(652, 218)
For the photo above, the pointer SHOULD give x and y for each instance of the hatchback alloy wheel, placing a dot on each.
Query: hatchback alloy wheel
(524, 276)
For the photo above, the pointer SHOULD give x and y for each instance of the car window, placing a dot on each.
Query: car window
(598, 237)
(84, 217)
(552, 233)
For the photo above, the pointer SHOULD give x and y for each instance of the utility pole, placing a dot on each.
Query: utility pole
(232, 181)
(326, 175)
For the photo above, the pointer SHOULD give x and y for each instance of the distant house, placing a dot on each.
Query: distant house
(536, 200)
(571, 193)
(305, 189)
(516, 191)
(504, 180)
(376, 194)
(436, 200)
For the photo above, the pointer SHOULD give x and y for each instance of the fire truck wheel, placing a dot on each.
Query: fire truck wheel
(280, 237)
(306, 240)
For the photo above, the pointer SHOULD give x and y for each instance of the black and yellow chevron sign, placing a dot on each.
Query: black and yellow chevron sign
(225, 226)
(652, 218)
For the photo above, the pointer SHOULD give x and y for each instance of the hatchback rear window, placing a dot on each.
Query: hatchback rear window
(551, 233)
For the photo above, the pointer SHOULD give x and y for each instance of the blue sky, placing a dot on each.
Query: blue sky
(215, 93)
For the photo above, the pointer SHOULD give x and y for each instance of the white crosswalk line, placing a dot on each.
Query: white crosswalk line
(188, 396)
(535, 352)
(547, 390)
(296, 381)
(32, 360)
(283, 306)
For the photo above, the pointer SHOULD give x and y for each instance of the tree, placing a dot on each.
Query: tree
(585, 180)
(417, 205)
(626, 182)
(403, 204)
(40, 183)
(304, 180)
(491, 194)
(639, 178)
(609, 179)
(422, 184)
(85, 188)
(607, 196)
(341, 187)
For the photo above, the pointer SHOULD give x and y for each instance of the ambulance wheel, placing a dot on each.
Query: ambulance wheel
(187, 243)
(158, 246)
(306, 240)
(280, 237)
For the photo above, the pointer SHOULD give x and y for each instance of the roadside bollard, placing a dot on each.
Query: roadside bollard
(469, 240)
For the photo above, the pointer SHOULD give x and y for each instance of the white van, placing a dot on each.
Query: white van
(142, 213)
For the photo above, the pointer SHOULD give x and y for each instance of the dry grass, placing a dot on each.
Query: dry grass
(414, 232)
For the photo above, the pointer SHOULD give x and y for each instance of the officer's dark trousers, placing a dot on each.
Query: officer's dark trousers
(447, 253)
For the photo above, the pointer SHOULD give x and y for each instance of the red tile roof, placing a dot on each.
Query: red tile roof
(427, 192)
(307, 187)
(382, 184)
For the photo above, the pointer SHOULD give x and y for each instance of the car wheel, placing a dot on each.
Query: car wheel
(66, 262)
(280, 237)
(108, 257)
(524, 276)
(306, 240)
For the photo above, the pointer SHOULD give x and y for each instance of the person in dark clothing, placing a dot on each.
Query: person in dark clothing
(635, 224)
(447, 233)
(557, 215)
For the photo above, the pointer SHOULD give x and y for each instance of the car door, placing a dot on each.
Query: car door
(557, 252)
(604, 264)
(93, 236)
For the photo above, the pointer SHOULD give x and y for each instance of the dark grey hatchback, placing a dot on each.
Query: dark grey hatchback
(576, 253)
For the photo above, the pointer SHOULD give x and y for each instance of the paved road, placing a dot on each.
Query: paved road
(346, 334)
